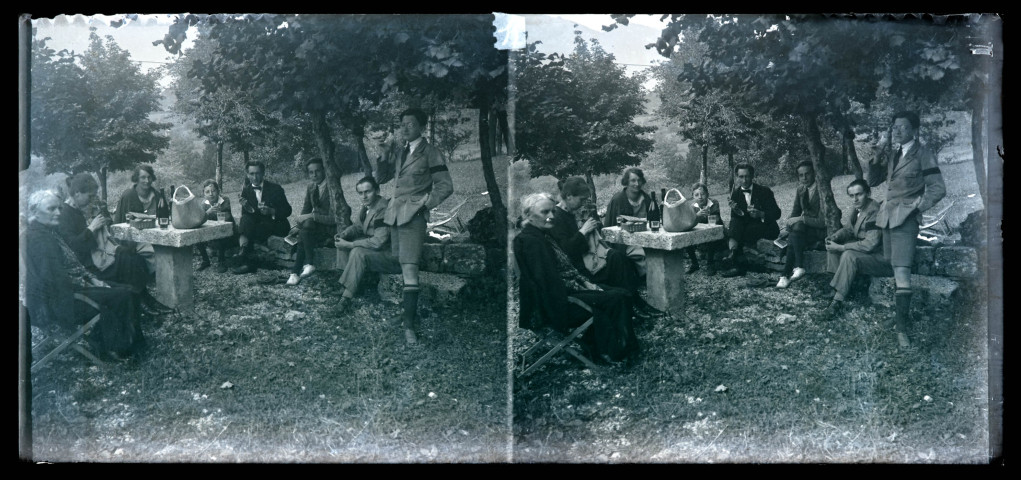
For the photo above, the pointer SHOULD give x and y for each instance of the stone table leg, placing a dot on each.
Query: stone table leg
(173, 276)
(664, 279)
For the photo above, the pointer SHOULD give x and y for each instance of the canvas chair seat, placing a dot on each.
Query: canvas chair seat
(65, 340)
(551, 342)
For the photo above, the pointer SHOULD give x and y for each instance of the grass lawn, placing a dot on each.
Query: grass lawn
(747, 375)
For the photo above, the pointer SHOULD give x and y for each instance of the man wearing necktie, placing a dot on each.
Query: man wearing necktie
(422, 182)
(855, 249)
(264, 212)
(315, 224)
(753, 215)
(805, 228)
(913, 185)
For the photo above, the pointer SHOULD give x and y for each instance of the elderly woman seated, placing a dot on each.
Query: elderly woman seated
(53, 274)
(548, 278)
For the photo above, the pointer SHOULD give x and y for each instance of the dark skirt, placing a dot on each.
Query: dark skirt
(612, 333)
(128, 268)
(118, 330)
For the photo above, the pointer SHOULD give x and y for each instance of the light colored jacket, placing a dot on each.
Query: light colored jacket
(862, 235)
(367, 229)
(422, 181)
(915, 178)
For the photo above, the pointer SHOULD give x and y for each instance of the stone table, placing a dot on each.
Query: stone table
(173, 256)
(664, 260)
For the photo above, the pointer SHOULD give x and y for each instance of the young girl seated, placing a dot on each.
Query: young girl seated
(217, 208)
(704, 208)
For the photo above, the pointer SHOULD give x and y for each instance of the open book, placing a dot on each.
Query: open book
(292, 237)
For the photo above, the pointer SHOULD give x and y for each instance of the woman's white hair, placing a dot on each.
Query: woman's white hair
(36, 200)
(530, 201)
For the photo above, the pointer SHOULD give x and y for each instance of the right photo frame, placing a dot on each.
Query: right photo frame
(755, 238)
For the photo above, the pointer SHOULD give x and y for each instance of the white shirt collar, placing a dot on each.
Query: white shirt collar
(906, 147)
(413, 145)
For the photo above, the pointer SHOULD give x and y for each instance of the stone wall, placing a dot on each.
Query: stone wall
(946, 261)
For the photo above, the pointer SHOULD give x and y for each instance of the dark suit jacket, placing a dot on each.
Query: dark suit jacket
(321, 207)
(808, 208)
(763, 199)
(273, 196)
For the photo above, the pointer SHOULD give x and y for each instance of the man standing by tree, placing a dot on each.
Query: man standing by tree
(422, 182)
(264, 212)
(753, 215)
(913, 185)
(316, 223)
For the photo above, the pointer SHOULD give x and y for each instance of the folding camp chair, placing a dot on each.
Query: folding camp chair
(71, 341)
(560, 342)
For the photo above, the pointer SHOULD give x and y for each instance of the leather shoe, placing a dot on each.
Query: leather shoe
(732, 272)
(244, 268)
(410, 337)
(832, 310)
(204, 265)
(902, 341)
(221, 267)
(692, 268)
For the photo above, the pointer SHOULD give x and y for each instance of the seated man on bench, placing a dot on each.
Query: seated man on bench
(264, 212)
(855, 248)
(315, 224)
(804, 228)
(365, 244)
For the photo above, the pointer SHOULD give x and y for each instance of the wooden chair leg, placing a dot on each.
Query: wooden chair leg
(70, 341)
(559, 347)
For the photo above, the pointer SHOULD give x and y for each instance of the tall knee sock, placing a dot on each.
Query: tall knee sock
(903, 309)
(410, 304)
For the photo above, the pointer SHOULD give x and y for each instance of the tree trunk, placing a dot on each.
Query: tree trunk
(324, 140)
(829, 209)
(703, 177)
(591, 186)
(102, 182)
(494, 140)
(500, 211)
(730, 168)
(219, 164)
(851, 154)
(358, 129)
(978, 116)
(244, 153)
(504, 131)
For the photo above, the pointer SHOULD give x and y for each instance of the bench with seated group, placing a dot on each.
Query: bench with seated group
(446, 267)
